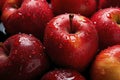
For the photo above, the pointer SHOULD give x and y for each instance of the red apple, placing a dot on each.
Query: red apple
(27, 16)
(107, 23)
(68, 39)
(84, 7)
(62, 74)
(22, 58)
(109, 3)
(106, 66)
(2, 2)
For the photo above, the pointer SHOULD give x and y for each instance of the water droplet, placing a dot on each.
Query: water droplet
(60, 46)
(43, 47)
(30, 35)
(30, 56)
(66, 37)
(94, 22)
(108, 15)
(72, 38)
(20, 13)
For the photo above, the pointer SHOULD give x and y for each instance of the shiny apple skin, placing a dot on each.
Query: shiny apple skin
(26, 16)
(62, 74)
(107, 24)
(22, 58)
(83, 7)
(108, 3)
(71, 49)
(106, 66)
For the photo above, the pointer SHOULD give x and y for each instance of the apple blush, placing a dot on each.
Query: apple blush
(62, 74)
(107, 24)
(71, 41)
(22, 58)
(106, 65)
(26, 16)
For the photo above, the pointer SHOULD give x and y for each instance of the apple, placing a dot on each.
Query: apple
(106, 65)
(83, 7)
(26, 16)
(107, 23)
(108, 3)
(68, 39)
(22, 58)
(62, 74)
(2, 2)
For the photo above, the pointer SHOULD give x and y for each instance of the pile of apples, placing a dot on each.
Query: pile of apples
(59, 40)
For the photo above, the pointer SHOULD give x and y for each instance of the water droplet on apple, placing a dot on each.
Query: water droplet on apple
(43, 47)
(20, 13)
(94, 22)
(19, 33)
(72, 38)
(108, 15)
(30, 56)
(30, 34)
(56, 25)
(66, 37)
(60, 46)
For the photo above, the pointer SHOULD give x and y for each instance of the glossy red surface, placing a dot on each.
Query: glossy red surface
(70, 46)
(22, 58)
(63, 74)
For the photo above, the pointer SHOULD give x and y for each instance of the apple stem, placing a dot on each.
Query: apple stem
(71, 24)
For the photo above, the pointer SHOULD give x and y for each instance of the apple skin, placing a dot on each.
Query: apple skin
(26, 16)
(106, 66)
(70, 46)
(107, 23)
(22, 58)
(2, 2)
(108, 3)
(63, 74)
(83, 7)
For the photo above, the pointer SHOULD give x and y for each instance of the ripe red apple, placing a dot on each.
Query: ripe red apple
(84, 7)
(68, 39)
(107, 23)
(2, 2)
(106, 66)
(22, 58)
(63, 74)
(109, 3)
(27, 16)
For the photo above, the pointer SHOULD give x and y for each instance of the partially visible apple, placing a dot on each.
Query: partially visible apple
(83, 7)
(26, 16)
(68, 39)
(106, 66)
(107, 23)
(63, 74)
(108, 3)
(2, 2)
(22, 58)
